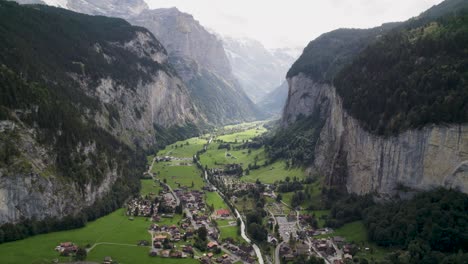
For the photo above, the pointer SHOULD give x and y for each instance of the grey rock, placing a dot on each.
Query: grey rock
(421, 159)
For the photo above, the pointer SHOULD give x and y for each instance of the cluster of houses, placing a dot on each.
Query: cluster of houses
(244, 251)
(66, 248)
(289, 253)
(192, 200)
(141, 207)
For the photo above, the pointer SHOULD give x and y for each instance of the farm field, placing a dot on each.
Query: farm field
(175, 175)
(243, 136)
(113, 228)
(184, 149)
(273, 172)
(213, 198)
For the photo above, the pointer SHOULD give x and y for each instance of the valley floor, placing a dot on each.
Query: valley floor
(117, 234)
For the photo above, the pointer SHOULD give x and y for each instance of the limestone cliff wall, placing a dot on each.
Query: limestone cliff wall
(436, 155)
(30, 188)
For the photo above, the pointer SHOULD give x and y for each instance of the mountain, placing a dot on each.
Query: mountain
(258, 70)
(380, 109)
(83, 98)
(274, 102)
(201, 61)
(197, 55)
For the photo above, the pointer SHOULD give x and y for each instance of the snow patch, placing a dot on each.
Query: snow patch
(58, 3)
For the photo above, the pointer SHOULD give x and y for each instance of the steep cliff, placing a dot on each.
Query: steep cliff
(372, 140)
(420, 159)
(82, 96)
(200, 59)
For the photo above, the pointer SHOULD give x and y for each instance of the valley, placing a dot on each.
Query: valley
(133, 132)
(173, 176)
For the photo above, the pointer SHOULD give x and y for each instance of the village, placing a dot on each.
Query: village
(184, 222)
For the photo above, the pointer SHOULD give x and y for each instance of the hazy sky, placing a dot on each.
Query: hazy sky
(293, 23)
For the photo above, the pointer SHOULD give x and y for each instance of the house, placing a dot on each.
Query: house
(153, 253)
(288, 257)
(338, 239)
(205, 260)
(212, 245)
(187, 249)
(157, 244)
(223, 213)
(272, 240)
(165, 253)
(107, 260)
(210, 255)
(302, 249)
(176, 254)
(348, 256)
(160, 238)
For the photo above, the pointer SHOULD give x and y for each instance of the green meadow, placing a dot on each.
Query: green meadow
(114, 228)
(213, 198)
(183, 149)
(175, 175)
(273, 172)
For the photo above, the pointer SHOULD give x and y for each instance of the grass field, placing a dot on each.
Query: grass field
(230, 231)
(273, 172)
(149, 186)
(113, 228)
(183, 150)
(357, 233)
(213, 198)
(175, 175)
(244, 135)
(128, 254)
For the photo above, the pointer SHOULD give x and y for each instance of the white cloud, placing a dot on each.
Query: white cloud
(279, 23)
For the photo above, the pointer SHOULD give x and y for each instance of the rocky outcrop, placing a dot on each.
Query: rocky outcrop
(163, 100)
(200, 59)
(31, 188)
(79, 119)
(436, 155)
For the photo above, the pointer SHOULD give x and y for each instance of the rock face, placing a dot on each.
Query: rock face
(31, 192)
(110, 100)
(420, 158)
(163, 100)
(258, 69)
(201, 61)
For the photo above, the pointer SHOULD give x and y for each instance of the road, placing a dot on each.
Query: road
(167, 185)
(277, 253)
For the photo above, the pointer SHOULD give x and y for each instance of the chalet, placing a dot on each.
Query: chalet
(187, 249)
(227, 261)
(176, 254)
(302, 249)
(159, 238)
(165, 253)
(157, 244)
(212, 245)
(205, 260)
(107, 260)
(153, 253)
(272, 240)
(222, 213)
(338, 239)
(288, 257)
